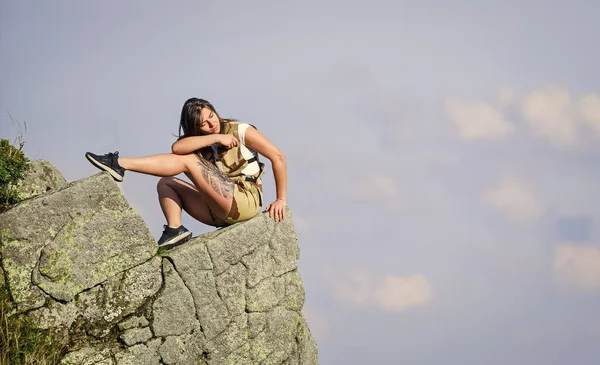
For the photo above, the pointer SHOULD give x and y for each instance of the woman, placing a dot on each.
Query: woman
(220, 157)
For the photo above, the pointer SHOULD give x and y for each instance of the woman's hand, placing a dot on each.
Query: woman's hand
(227, 140)
(277, 210)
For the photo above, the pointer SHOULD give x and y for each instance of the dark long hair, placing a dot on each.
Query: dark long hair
(190, 120)
(189, 124)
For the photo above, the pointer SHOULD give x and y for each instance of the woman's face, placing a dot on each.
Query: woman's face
(209, 122)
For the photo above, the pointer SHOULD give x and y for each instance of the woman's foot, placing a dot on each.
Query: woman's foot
(171, 236)
(108, 162)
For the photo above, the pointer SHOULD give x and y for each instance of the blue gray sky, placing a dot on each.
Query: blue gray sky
(442, 156)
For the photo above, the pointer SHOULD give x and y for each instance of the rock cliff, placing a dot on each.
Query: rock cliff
(79, 260)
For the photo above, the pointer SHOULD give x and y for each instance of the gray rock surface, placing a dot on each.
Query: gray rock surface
(140, 354)
(69, 240)
(105, 304)
(79, 258)
(276, 341)
(133, 322)
(136, 335)
(189, 350)
(40, 178)
(307, 347)
(260, 264)
(74, 261)
(88, 356)
(192, 263)
(171, 350)
(231, 286)
(265, 295)
(174, 311)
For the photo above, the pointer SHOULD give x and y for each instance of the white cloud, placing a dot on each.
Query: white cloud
(589, 107)
(377, 188)
(478, 120)
(551, 115)
(515, 199)
(398, 293)
(577, 266)
(388, 292)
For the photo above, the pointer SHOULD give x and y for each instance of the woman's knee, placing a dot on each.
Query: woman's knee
(165, 183)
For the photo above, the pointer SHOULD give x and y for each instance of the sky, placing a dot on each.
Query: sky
(442, 157)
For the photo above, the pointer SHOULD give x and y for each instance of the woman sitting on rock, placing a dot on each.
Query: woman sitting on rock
(220, 157)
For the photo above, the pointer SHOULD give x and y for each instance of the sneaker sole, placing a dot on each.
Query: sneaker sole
(112, 172)
(178, 239)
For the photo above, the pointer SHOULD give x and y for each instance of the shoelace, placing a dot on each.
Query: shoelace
(114, 156)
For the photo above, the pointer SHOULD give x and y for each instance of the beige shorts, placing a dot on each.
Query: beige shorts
(247, 201)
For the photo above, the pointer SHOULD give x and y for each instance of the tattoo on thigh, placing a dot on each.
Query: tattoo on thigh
(221, 183)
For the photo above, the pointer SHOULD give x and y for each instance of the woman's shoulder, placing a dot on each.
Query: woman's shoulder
(238, 123)
(236, 126)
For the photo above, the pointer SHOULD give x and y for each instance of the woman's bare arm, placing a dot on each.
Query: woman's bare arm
(190, 144)
(259, 143)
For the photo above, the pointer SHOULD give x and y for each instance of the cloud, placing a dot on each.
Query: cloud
(589, 107)
(551, 114)
(378, 187)
(398, 293)
(577, 267)
(388, 292)
(479, 120)
(515, 199)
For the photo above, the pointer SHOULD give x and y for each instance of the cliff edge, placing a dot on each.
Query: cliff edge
(79, 260)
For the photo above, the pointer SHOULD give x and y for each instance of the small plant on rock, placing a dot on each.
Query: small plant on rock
(13, 167)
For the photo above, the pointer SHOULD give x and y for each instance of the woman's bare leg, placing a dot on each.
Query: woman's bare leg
(166, 164)
(215, 188)
(176, 195)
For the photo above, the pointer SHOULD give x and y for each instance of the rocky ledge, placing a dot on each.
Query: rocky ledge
(80, 261)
